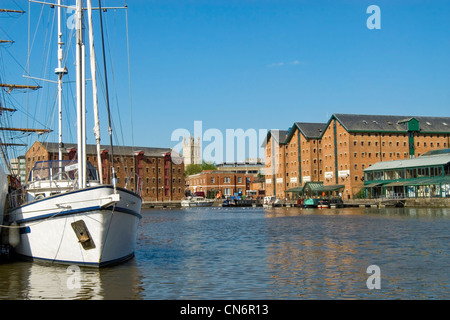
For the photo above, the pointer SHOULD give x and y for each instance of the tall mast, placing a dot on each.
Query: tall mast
(60, 71)
(113, 173)
(94, 90)
(81, 107)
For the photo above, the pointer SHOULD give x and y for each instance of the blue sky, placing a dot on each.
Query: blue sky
(266, 64)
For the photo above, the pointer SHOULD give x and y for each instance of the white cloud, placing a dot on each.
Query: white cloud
(291, 63)
(276, 64)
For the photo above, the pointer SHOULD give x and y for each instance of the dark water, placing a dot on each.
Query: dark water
(253, 253)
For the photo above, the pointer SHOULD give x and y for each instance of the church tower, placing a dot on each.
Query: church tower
(191, 151)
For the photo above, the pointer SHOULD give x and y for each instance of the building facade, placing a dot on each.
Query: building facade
(214, 183)
(293, 158)
(18, 168)
(254, 167)
(157, 171)
(274, 163)
(347, 144)
(427, 176)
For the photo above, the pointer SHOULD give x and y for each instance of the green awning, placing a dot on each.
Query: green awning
(419, 182)
(371, 185)
(429, 181)
(319, 187)
(334, 187)
(314, 186)
(396, 184)
(297, 189)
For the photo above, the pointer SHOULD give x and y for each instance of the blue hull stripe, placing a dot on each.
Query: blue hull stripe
(76, 191)
(78, 211)
(86, 264)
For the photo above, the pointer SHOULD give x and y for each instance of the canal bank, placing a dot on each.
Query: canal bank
(368, 203)
(408, 202)
(161, 204)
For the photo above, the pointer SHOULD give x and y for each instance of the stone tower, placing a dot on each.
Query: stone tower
(191, 151)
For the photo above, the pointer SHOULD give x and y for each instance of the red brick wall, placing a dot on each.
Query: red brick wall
(162, 180)
(215, 181)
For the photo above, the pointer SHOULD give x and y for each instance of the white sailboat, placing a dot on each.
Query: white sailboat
(64, 214)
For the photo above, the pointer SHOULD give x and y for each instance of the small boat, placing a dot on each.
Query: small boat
(271, 201)
(231, 202)
(316, 203)
(323, 203)
(336, 203)
(197, 201)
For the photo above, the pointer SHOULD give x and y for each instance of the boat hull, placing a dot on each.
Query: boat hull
(90, 227)
(3, 193)
(197, 203)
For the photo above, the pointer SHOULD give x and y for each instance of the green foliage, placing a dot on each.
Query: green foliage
(192, 169)
(208, 166)
(197, 168)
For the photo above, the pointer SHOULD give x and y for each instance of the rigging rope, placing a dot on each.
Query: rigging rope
(129, 77)
(113, 178)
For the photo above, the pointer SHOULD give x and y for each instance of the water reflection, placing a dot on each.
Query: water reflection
(326, 253)
(312, 262)
(252, 253)
(34, 280)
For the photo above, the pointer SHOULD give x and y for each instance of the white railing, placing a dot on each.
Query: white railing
(139, 183)
(20, 196)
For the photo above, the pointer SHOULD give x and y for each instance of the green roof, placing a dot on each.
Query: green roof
(319, 187)
(413, 182)
(297, 189)
(422, 161)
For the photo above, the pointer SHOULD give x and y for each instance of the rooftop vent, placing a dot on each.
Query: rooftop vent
(445, 123)
(428, 123)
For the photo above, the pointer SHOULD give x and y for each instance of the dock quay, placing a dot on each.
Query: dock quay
(399, 202)
(350, 203)
(161, 204)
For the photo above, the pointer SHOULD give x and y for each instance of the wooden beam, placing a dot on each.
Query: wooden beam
(12, 11)
(18, 86)
(13, 144)
(26, 130)
(7, 109)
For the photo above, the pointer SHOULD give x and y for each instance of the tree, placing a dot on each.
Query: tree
(197, 168)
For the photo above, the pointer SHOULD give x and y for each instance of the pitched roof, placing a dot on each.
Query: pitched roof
(118, 150)
(310, 130)
(389, 123)
(424, 160)
(279, 136)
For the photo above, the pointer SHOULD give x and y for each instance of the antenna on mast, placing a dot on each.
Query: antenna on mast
(60, 71)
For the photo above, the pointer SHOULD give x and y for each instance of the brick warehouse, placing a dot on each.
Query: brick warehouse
(224, 183)
(337, 152)
(162, 179)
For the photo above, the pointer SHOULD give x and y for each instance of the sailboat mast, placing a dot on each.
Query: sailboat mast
(113, 173)
(94, 90)
(60, 71)
(81, 106)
